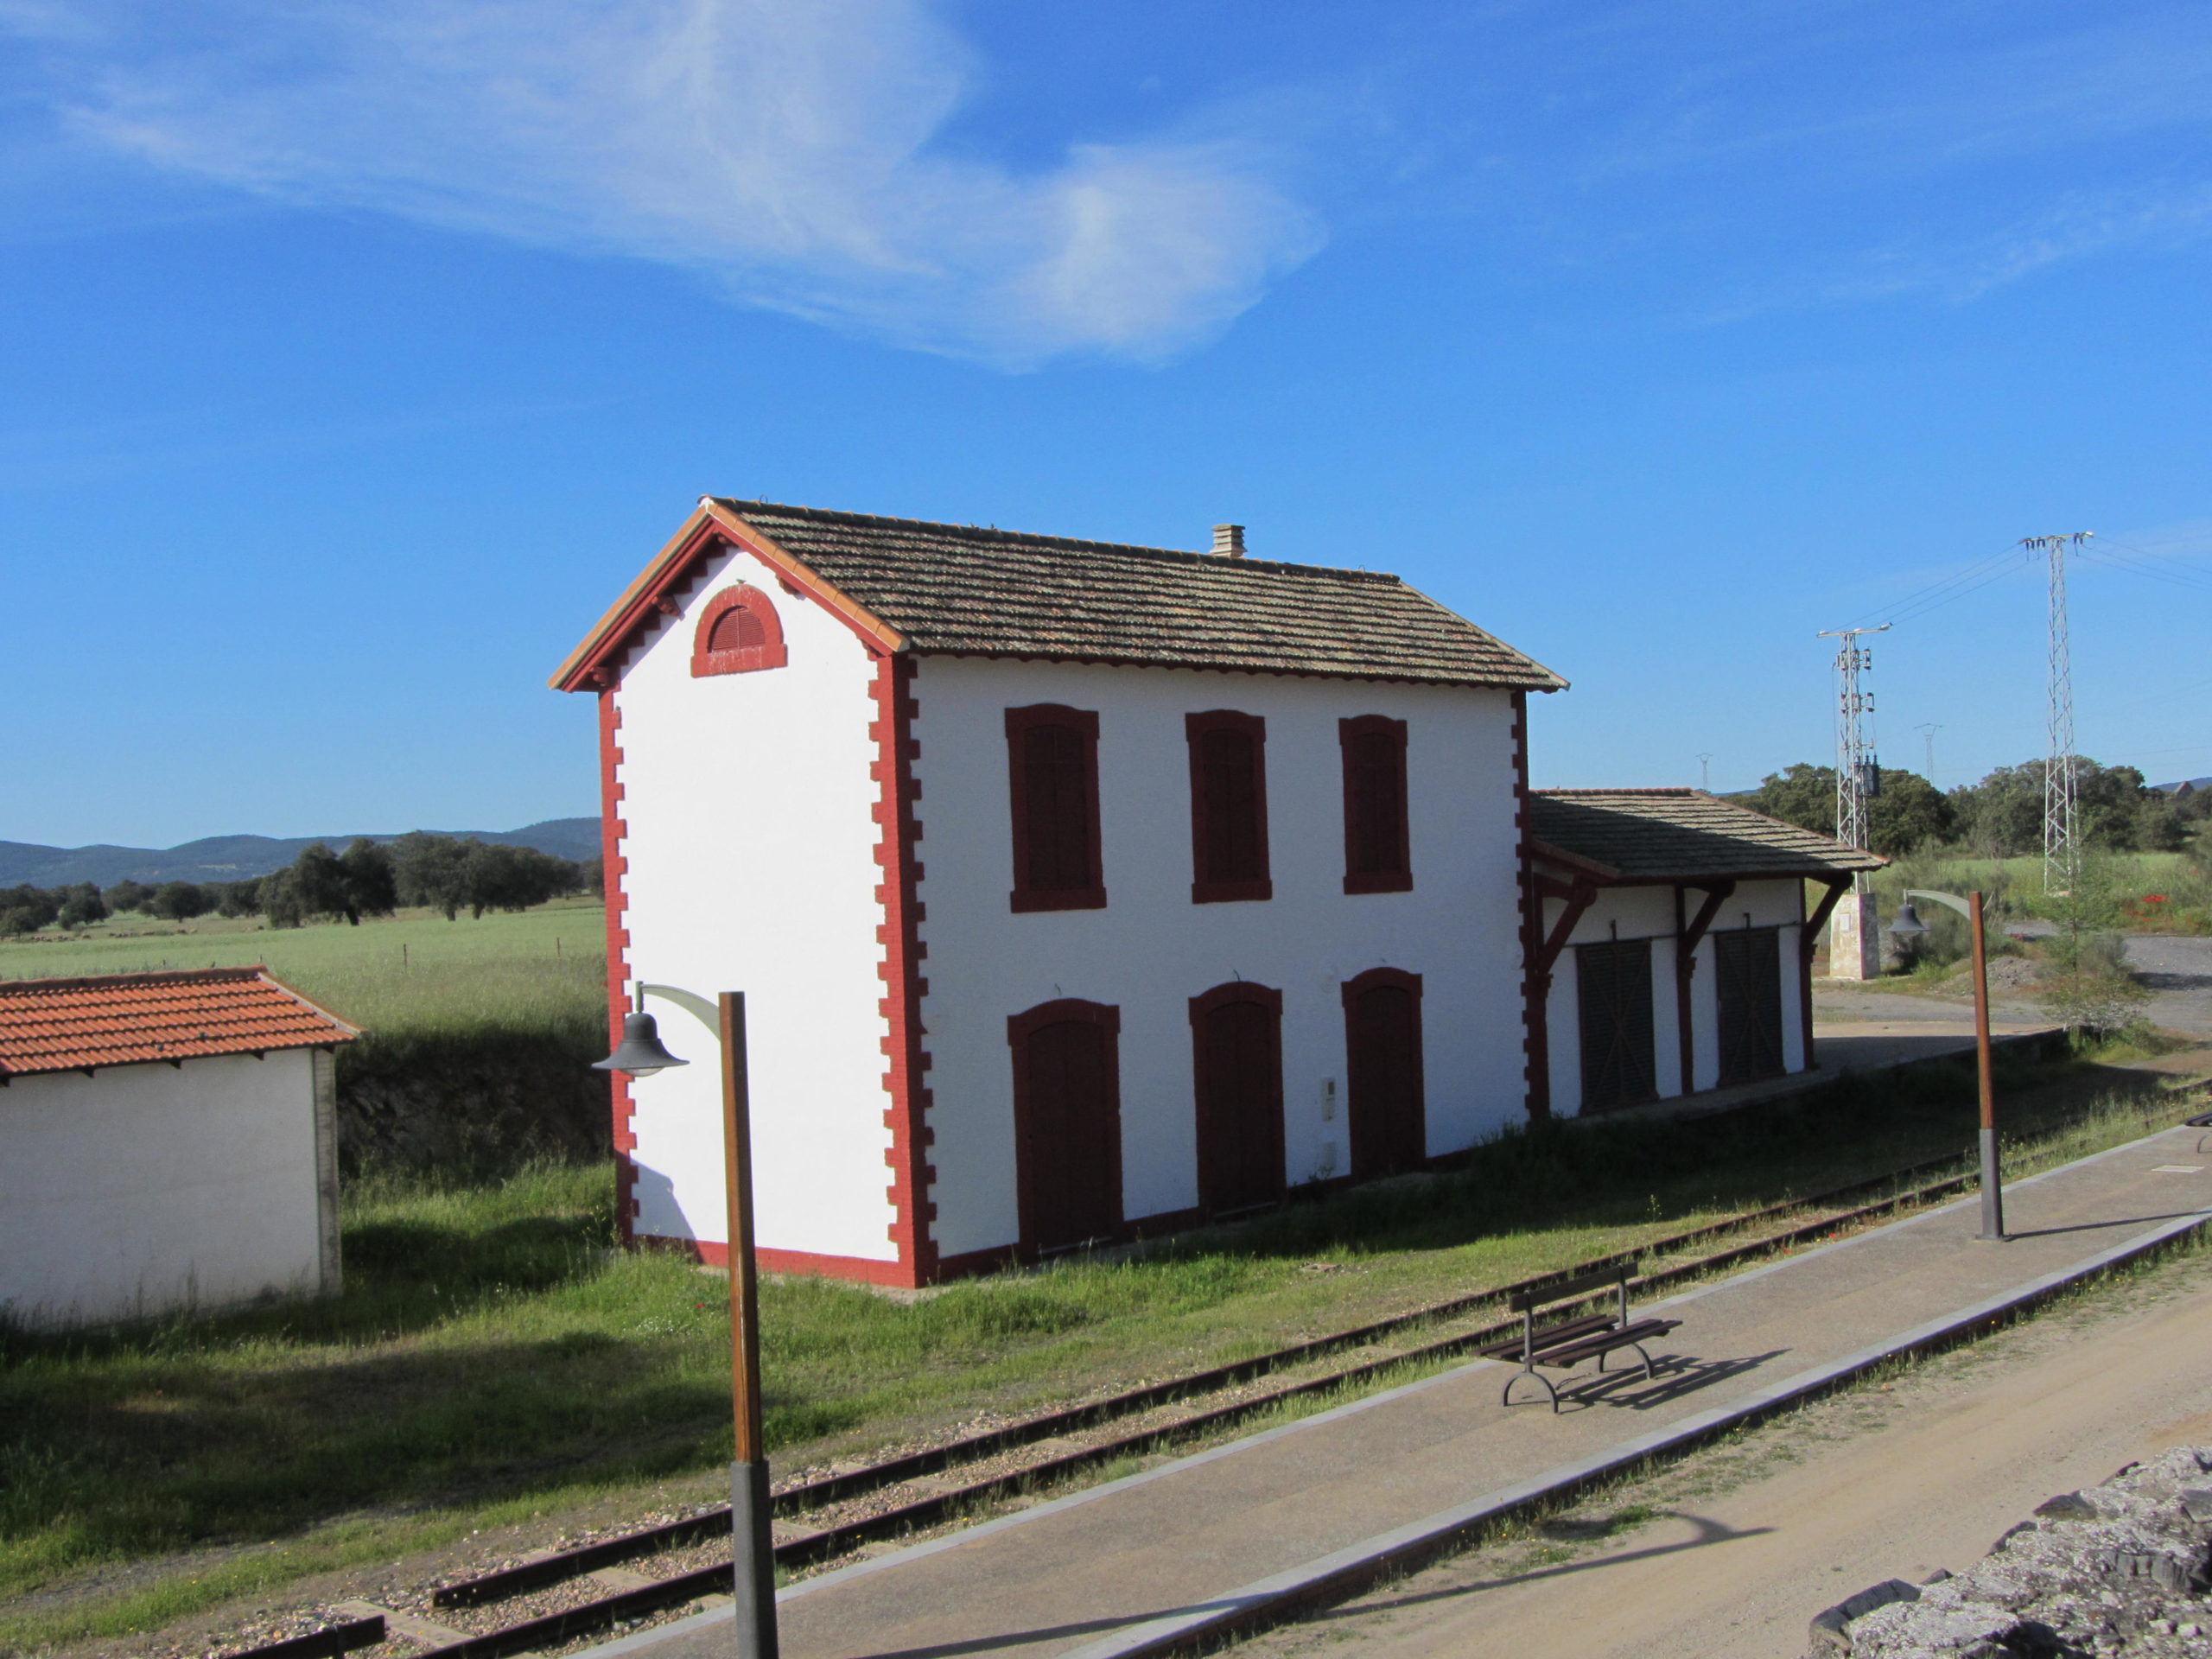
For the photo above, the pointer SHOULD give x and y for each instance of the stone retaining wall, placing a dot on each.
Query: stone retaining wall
(2119, 1568)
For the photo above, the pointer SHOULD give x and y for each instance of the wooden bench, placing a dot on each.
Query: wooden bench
(1565, 1344)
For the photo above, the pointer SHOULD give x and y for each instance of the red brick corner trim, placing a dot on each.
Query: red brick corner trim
(899, 831)
(1536, 982)
(612, 867)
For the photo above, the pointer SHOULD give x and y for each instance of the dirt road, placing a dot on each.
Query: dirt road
(2179, 970)
(1749, 1539)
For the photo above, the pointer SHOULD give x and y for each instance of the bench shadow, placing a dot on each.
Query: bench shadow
(2101, 1226)
(1050, 1632)
(1708, 1533)
(1675, 1376)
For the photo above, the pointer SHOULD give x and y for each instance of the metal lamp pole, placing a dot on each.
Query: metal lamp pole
(1908, 924)
(752, 1540)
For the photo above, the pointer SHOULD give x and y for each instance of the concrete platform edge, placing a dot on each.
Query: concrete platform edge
(1346, 1571)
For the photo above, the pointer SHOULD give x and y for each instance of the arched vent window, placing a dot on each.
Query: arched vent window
(739, 632)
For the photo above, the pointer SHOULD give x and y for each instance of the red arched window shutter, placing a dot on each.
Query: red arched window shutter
(1229, 807)
(1377, 855)
(1053, 773)
(738, 632)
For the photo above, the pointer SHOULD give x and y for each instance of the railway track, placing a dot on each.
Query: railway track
(834, 1515)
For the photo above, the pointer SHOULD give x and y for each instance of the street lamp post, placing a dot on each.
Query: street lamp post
(751, 1540)
(1909, 925)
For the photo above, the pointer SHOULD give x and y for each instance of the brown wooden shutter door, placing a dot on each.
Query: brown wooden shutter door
(1239, 1106)
(1382, 1046)
(1747, 972)
(1071, 1154)
(1229, 767)
(1613, 997)
(1059, 827)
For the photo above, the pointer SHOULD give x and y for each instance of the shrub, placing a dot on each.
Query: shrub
(179, 901)
(83, 907)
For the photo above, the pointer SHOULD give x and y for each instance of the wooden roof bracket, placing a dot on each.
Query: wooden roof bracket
(1716, 894)
(1577, 896)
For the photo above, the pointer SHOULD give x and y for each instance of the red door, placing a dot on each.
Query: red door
(1236, 1046)
(1067, 1123)
(1382, 1056)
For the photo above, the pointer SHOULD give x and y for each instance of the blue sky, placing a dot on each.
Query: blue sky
(353, 356)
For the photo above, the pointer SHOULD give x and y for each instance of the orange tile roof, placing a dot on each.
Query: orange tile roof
(72, 1025)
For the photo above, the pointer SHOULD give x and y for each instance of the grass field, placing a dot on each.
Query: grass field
(415, 971)
(494, 1358)
(2147, 892)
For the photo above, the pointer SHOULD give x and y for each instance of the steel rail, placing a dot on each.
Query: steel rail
(813, 1495)
(550, 1628)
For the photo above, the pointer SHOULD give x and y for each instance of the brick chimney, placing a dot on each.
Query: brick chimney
(1229, 540)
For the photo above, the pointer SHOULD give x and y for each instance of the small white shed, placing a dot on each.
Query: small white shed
(1672, 950)
(166, 1140)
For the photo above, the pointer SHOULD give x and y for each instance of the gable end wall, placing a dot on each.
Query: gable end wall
(746, 821)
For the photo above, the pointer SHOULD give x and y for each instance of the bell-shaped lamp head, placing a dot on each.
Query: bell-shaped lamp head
(1908, 924)
(640, 1054)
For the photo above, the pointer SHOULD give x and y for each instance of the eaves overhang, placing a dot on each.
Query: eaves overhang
(592, 666)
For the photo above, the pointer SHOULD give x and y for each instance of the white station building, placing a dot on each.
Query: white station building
(1077, 891)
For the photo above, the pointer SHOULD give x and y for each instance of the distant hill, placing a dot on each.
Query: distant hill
(234, 858)
(2193, 783)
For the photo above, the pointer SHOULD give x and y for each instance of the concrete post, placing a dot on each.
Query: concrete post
(1855, 939)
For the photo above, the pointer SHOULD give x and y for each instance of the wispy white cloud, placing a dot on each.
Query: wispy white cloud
(1962, 266)
(782, 147)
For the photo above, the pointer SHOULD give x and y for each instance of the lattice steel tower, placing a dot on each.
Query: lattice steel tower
(2061, 851)
(1858, 774)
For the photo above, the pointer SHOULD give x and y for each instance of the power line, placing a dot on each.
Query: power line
(2102, 710)
(1940, 592)
(1930, 728)
(2137, 567)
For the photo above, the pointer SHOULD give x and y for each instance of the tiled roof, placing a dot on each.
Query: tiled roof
(1671, 834)
(953, 587)
(959, 588)
(67, 1025)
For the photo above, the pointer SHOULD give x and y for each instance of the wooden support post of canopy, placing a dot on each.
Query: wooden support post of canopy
(1688, 935)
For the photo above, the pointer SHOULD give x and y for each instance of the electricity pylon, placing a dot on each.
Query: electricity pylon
(1858, 774)
(1931, 728)
(2061, 850)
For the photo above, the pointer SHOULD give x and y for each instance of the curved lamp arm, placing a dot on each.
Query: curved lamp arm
(1950, 899)
(697, 1006)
